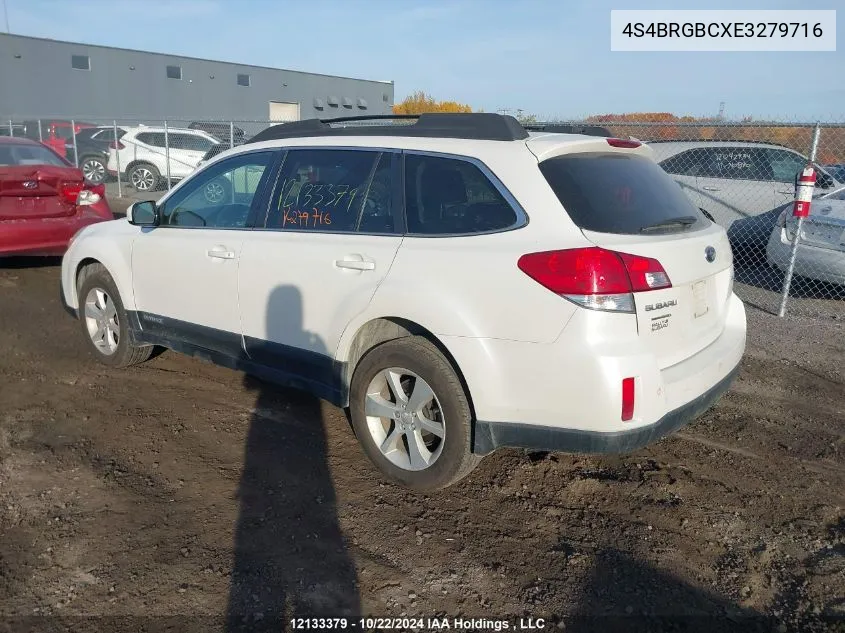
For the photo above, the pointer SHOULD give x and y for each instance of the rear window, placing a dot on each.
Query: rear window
(18, 155)
(619, 193)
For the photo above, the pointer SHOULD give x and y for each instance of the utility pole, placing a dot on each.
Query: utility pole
(721, 110)
(6, 14)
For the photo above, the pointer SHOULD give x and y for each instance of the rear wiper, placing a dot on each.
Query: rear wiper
(682, 222)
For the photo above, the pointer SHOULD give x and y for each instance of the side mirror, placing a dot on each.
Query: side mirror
(142, 213)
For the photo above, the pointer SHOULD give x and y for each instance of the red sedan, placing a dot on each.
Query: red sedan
(44, 200)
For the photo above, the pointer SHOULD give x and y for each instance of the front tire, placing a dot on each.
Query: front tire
(104, 322)
(411, 414)
(144, 177)
(94, 169)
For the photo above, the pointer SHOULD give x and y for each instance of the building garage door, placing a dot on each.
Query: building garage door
(283, 111)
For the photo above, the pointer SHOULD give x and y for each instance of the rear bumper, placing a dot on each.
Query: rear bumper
(812, 262)
(49, 236)
(489, 436)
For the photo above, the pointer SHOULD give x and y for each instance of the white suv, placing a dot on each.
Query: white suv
(142, 154)
(458, 284)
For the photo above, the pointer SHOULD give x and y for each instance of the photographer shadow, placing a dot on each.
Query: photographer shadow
(290, 556)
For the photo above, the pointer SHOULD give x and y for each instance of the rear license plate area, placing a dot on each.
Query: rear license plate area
(699, 299)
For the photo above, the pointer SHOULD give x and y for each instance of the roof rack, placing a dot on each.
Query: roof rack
(567, 128)
(486, 126)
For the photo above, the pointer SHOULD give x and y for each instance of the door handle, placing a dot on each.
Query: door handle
(789, 191)
(711, 189)
(220, 253)
(354, 264)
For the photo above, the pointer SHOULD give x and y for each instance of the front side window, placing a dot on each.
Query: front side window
(690, 163)
(451, 196)
(221, 196)
(325, 190)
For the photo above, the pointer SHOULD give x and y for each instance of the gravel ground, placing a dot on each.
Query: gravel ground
(177, 488)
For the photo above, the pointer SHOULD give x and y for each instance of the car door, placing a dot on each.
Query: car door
(329, 239)
(736, 183)
(185, 270)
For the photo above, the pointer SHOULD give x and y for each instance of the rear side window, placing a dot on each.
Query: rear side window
(619, 193)
(156, 139)
(446, 196)
(324, 190)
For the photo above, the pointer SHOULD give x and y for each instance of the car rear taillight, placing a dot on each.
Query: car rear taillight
(594, 277)
(116, 145)
(621, 142)
(69, 191)
(81, 193)
(91, 194)
(628, 385)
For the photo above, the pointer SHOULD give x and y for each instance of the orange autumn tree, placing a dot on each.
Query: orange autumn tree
(420, 102)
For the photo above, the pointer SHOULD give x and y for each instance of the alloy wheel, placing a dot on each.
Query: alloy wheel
(101, 321)
(405, 419)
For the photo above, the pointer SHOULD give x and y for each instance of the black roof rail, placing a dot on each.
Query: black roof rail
(486, 126)
(569, 128)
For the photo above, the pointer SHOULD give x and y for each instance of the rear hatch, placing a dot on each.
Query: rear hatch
(622, 201)
(824, 227)
(29, 192)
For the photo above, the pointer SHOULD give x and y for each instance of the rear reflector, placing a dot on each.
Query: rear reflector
(621, 142)
(594, 277)
(627, 399)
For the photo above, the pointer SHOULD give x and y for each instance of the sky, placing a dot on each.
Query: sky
(550, 58)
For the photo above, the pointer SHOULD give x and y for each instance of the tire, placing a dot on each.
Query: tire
(448, 457)
(114, 348)
(144, 177)
(94, 169)
(217, 190)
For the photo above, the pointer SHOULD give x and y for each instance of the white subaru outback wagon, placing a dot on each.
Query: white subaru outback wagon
(458, 284)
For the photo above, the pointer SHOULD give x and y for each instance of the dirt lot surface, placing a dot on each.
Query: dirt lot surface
(181, 489)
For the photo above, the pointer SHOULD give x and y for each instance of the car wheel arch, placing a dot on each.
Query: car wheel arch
(380, 330)
(117, 277)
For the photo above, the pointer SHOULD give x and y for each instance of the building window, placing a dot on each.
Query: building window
(174, 72)
(80, 62)
(243, 80)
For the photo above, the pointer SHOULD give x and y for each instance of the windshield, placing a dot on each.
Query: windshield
(619, 193)
(16, 155)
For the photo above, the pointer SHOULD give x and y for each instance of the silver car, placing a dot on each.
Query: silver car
(821, 249)
(736, 180)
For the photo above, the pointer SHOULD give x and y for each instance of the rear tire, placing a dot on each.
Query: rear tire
(421, 438)
(144, 177)
(104, 322)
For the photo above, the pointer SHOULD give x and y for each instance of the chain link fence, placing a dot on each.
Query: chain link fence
(740, 174)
